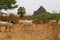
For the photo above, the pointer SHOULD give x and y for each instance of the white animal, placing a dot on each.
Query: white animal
(52, 21)
(5, 24)
(26, 21)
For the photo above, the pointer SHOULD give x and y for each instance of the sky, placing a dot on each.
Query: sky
(33, 5)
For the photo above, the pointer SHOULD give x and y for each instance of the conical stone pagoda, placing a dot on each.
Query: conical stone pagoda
(40, 10)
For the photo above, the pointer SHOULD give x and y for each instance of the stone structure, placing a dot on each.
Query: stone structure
(40, 10)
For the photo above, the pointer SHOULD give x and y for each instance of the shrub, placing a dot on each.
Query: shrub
(45, 17)
(13, 18)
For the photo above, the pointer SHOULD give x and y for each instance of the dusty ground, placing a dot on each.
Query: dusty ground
(30, 32)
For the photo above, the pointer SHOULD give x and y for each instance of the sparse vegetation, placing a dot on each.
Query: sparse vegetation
(45, 17)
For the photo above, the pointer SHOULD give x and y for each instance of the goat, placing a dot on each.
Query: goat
(26, 21)
(5, 24)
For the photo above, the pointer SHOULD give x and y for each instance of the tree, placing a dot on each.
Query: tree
(7, 4)
(21, 11)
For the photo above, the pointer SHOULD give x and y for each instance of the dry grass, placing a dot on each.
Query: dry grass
(28, 32)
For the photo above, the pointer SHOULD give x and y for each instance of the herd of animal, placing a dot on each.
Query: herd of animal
(10, 23)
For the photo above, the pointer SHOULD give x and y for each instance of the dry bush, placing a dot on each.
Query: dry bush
(10, 17)
(25, 18)
(13, 17)
(36, 21)
(4, 18)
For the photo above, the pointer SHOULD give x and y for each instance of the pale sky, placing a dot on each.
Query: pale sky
(32, 5)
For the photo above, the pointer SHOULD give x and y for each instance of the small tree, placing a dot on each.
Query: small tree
(21, 11)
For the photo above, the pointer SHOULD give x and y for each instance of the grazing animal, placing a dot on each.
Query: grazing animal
(51, 21)
(6, 25)
(26, 21)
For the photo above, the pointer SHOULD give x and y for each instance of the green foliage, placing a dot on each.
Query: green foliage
(7, 4)
(46, 17)
(21, 11)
